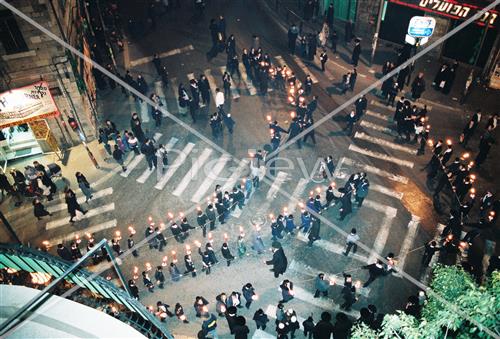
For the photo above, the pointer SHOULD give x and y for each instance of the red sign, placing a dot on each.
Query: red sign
(453, 9)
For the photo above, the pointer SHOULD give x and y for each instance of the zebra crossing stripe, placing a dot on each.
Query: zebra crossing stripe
(271, 194)
(93, 229)
(407, 242)
(163, 99)
(211, 82)
(193, 171)
(384, 143)
(376, 171)
(381, 239)
(191, 77)
(144, 107)
(378, 115)
(297, 192)
(332, 247)
(381, 156)
(305, 69)
(261, 334)
(147, 172)
(386, 191)
(91, 213)
(234, 89)
(382, 105)
(379, 128)
(211, 178)
(312, 272)
(237, 174)
(248, 82)
(175, 87)
(181, 158)
(137, 159)
(81, 200)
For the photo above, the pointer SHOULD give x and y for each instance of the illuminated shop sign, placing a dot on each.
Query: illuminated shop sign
(452, 9)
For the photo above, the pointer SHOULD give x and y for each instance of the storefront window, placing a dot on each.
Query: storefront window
(10, 36)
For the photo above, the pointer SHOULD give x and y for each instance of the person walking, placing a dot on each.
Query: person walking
(39, 209)
(72, 204)
(149, 151)
(279, 260)
(351, 242)
(293, 33)
(375, 270)
(356, 52)
(321, 285)
(161, 160)
(118, 156)
(287, 292)
(84, 186)
(248, 292)
(209, 326)
(219, 100)
(470, 128)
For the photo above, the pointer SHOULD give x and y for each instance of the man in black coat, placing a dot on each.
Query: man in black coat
(279, 260)
(356, 52)
(324, 327)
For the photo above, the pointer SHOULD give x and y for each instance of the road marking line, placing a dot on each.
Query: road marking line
(175, 88)
(181, 158)
(237, 174)
(379, 128)
(381, 239)
(244, 77)
(381, 156)
(211, 177)
(193, 171)
(312, 272)
(297, 192)
(280, 60)
(324, 303)
(407, 242)
(378, 115)
(261, 334)
(211, 82)
(386, 191)
(145, 60)
(144, 111)
(145, 175)
(382, 105)
(273, 190)
(384, 143)
(347, 69)
(91, 213)
(332, 247)
(234, 89)
(93, 229)
(138, 158)
(305, 69)
(81, 200)
(376, 171)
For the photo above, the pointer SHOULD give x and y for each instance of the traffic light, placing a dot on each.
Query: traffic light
(73, 124)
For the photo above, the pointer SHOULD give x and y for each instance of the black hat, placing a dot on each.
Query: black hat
(276, 244)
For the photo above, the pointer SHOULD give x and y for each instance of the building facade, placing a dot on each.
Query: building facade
(28, 57)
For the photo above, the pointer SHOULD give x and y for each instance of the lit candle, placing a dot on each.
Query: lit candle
(188, 249)
(164, 261)
(174, 257)
(131, 230)
(77, 239)
(148, 266)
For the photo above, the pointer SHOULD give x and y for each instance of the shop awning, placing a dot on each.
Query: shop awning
(25, 104)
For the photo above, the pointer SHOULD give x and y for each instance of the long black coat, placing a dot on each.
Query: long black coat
(279, 261)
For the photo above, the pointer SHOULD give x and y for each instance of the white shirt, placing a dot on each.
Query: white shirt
(352, 238)
(219, 99)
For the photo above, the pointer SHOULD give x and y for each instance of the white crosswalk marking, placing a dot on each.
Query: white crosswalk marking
(92, 229)
(93, 212)
(193, 171)
(382, 234)
(378, 128)
(138, 158)
(386, 191)
(297, 192)
(234, 89)
(145, 60)
(260, 334)
(191, 77)
(375, 170)
(144, 107)
(381, 105)
(312, 272)
(280, 60)
(237, 174)
(324, 303)
(163, 98)
(407, 242)
(384, 143)
(271, 313)
(305, 69)
(380, 156)
(271, 194)
(147, 172)
(378, 115)
(175, 88)
(211, 81)
(181, 158)
(246, 80)
(211, 177)
(81, 200)
(332, 247)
